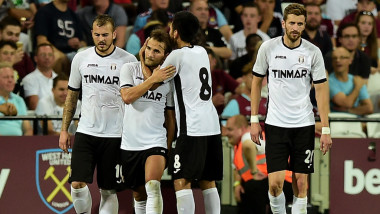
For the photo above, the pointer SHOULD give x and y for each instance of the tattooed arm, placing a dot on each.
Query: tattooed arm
(68, 114)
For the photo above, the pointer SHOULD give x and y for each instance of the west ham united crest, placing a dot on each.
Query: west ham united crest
(52, 173)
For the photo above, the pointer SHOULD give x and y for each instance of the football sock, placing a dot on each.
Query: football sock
(108, 202)
(154, 202)
(211, 200)
(299, 205)
(82, 200)
(185, 201)
(140, 207)
(277, 204)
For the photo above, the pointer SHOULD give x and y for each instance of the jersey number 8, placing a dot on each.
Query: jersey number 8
(205, 92)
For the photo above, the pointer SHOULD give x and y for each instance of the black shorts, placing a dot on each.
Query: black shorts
(133, 164)
(296, 143)
(197, 158)
(90, 151)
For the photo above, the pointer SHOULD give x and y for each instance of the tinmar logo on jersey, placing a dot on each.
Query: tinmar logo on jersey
(53, 170)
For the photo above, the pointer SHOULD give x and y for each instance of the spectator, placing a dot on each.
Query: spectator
(326, 23)
(218, 20)
(39, 83)
(13, 102)
(57, 24)
(88, 14)
(348, 36)
(52, 104)
(348, 93)
(250, 173)
(237, 65)
(174, 6)
(158, 19)
(368, 37)
(313, 33)
(250, 18)
(11, 31)
(221, 82)
(214, 38)
(270, 21)
(23, 10)
(142, 18)
(362, 5)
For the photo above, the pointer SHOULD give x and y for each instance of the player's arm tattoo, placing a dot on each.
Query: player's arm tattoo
(69, 108)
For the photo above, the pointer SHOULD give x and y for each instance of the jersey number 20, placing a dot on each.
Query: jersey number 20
(205, 92)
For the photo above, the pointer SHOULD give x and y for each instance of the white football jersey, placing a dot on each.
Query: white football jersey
(99, 77)
(143, 125)
(195, 112)
(290, 74)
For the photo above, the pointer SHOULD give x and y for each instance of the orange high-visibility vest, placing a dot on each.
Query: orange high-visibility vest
(242, 166)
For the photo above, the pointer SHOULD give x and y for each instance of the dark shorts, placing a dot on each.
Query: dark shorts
(133, 164)
(296, 143)
(197, 158)
(90, 152)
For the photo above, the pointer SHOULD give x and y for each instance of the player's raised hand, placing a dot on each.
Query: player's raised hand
(256, 133)
(64, 141)
(326, 143)
(142, 50)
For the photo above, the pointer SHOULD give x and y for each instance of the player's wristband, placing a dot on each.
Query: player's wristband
(254, 118)
(326, 130)
(236, 183)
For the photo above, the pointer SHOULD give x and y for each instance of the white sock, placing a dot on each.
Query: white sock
(82, 200)
(185, 201)
(154, 202)
(108, 202)
(212, 201)
(277, 204)
(299, 205)
(140, 207)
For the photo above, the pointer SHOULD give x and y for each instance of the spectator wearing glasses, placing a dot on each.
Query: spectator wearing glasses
(348, 36)
(348, 93)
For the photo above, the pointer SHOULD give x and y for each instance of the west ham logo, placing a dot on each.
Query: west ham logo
(52, 173)
(301, 59)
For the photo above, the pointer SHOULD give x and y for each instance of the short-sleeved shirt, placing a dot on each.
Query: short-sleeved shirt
(195, 112)
(47, 106)
(36, 83)
(88, 14)
(337, 86)
(13, 127)
(57, 26)
(237, 43)
(99, 78)
(290, 74)
(144, 118)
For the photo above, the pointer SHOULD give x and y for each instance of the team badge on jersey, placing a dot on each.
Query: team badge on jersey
(301, 59)
(53, 171)
(113, 66)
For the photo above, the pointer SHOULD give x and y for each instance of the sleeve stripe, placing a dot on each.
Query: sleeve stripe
(257, 74)
(126, 85)
(73, 89)
(320, 81)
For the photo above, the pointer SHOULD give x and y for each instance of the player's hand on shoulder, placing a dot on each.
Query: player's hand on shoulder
(161, 74)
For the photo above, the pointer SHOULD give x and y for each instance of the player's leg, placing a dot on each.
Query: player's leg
(140, 199)
(302, 164)
(275, 194)
(184, 195)
(82, 170)
(210, 197)
(154, 168)
(213, 170)
(300, 193)
(277, 151)
(108, 154)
